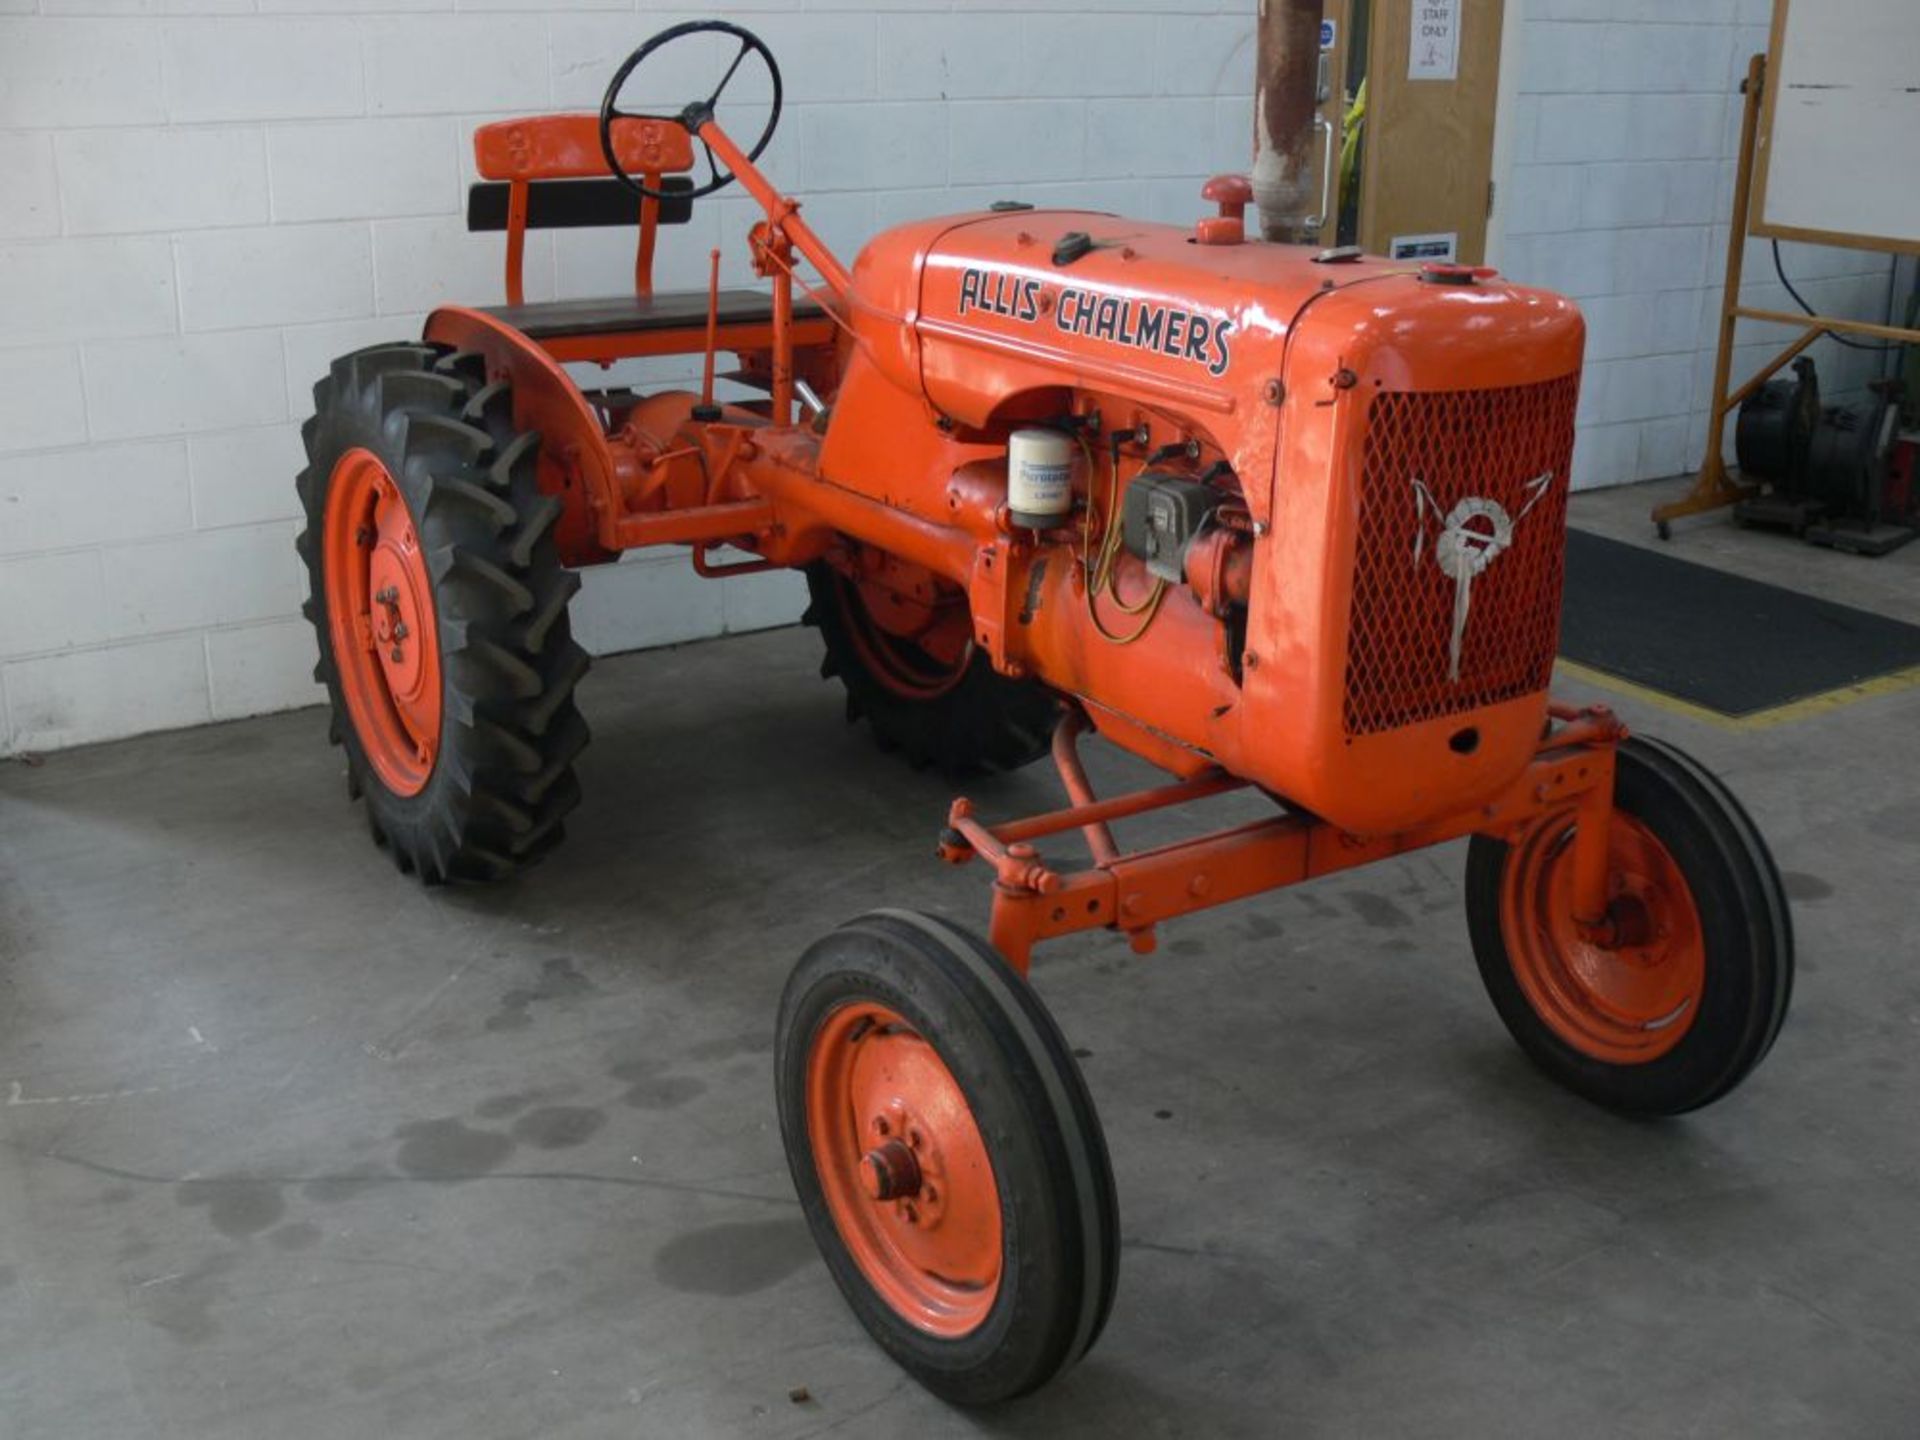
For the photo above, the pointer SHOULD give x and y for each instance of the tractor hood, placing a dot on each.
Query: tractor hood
(1093, 299)
(987, 319)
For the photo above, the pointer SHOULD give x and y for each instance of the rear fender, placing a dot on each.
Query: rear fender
(576, 462)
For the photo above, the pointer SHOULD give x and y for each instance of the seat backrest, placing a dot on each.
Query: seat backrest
(548, 172)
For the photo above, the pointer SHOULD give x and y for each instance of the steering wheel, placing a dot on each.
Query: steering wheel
(693, 116)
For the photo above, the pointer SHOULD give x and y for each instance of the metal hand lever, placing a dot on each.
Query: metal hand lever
(1317, 222)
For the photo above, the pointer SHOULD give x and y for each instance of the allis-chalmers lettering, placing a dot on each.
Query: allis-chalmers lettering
(1162, 329)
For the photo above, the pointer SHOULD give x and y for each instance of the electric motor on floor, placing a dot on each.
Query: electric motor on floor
(1847, 472)
(1845, 459)
(1821, 472)
(1776, 426)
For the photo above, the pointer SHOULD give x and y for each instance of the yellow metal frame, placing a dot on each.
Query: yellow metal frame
(1714, 487)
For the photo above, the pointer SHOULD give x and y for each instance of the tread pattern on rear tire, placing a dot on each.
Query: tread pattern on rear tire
(985, 723)
(504, 777)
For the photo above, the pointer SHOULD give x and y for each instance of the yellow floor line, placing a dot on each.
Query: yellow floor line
(1785, 714)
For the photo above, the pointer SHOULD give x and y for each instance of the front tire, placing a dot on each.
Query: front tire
(947, 1156)
(1689, 1000)
(440, 608)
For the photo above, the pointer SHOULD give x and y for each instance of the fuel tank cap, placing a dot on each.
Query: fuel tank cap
(1448, 272)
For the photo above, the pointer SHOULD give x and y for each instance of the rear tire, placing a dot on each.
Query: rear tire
(947, 1156)
(1680, 1013)
(963, 720)
(473, 781)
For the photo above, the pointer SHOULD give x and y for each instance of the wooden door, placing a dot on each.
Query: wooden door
(1433, 76)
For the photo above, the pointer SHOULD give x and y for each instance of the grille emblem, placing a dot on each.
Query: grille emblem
(1472, 536)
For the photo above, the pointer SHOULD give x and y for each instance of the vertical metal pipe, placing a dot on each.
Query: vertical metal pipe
(1285, 99)
(713, 329)
(782, 412)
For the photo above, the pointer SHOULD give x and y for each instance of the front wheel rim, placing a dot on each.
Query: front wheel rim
(381, 622)
(1627, 1003)
(903, 1169)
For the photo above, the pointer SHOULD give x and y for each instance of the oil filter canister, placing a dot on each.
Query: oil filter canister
(1039, 478)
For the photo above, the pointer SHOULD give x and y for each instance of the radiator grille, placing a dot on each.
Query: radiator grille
(1430, 463)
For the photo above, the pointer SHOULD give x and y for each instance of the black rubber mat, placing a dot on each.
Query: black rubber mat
(1717, 640)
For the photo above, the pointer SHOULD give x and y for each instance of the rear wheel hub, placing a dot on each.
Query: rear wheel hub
(381, 621)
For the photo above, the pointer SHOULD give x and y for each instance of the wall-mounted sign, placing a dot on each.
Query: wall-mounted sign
(1441, 245)
(1433, 44)
(1327, 34)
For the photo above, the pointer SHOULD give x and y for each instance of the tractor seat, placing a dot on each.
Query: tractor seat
(620, 314)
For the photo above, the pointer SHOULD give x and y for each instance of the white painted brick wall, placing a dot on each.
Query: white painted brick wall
(1622, 131)
(206, 200)
(203, 201)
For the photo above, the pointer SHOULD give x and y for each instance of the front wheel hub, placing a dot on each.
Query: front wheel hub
(891, 1172)
(904, 1169)
(1625, 991)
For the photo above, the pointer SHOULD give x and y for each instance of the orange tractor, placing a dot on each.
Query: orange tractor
(1272, 520)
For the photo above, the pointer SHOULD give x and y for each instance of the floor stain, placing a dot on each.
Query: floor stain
(1893, 823)
(500, 1107)
(331, 1189)
(1260, 927)
(1316, 907)
(1378, 911)
(737, 1258)
(182, 1305)
(237, 1206)
(559, 1127)
(731, 1044)
(650, 1088)
(449, 1150)
(558, 980)
(1802, 886)
(297, 1236)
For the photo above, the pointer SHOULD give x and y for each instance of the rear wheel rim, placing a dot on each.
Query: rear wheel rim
(904, 1169)
(380, 618)
(906, 668)
(1627, 1003)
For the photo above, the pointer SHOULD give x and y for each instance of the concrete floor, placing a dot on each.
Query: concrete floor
(294, 1148)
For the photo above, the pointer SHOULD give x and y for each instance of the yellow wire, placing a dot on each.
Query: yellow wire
(1101, 564)
(1110, 559)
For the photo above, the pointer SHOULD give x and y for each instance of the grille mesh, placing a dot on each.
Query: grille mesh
(1458, 445)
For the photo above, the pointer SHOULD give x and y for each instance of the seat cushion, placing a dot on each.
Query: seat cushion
(675, 310)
